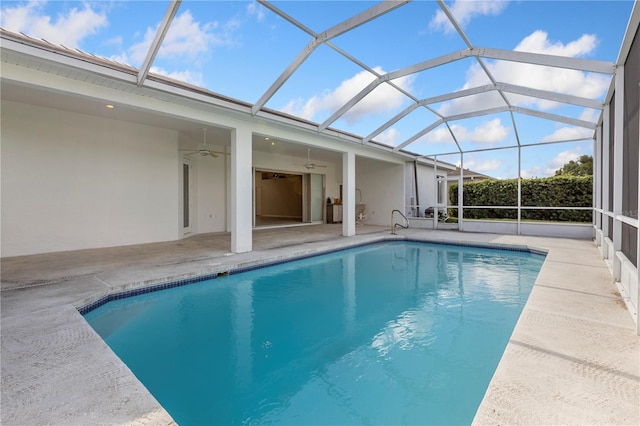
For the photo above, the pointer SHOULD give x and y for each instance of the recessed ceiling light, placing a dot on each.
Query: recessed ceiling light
(266, 139)
(109, 106)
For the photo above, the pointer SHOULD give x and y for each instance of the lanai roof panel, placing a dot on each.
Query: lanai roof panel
(318, 89)
(399, 39)
(485, 132)
(533, 130)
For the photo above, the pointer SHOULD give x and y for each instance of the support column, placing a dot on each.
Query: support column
(241, 191)
(435, 192)
(460, 194)
(606, 123)
(617, 169)
(597, 181)
(519, 211)
(348, 194)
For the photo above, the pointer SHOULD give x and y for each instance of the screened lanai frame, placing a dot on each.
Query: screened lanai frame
(471, 51)
(480, 55)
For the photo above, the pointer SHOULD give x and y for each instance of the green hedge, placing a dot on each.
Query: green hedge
(555, 191)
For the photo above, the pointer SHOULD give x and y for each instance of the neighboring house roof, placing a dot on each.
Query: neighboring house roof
(469, 174)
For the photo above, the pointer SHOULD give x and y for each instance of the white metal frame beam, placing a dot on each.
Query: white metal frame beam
(509, 88)
(391, 121)
(497, 110)
(172, 9)
(555, 117)
(550, 96)
(499, 148)
(431, 63)
(357, 98)
(580, 64)
(389, 77)
(419, 134)
(325, 36)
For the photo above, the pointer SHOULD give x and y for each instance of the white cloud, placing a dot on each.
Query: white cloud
(489, 132)
(123, 58)
(187, 76)
(439, 135)
(67, 29)
(574, 132)
(463, 11)
(485, 167)
(533, 172)
(390, 137)
(554, 164)
(538, 42)
(256, 10)
(185, 37)
(563, 158)
(589, 114)
(578, 83)
(568, 133)
(114, 41)
(382, 99)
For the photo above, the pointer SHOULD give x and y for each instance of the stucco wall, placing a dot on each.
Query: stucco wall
(381, 186)
(73, 181)
(211, 178)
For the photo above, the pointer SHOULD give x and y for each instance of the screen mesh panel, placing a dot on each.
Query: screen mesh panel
(612, 122)
(630, 148)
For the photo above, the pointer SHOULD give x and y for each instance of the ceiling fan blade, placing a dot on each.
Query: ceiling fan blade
(212, 154)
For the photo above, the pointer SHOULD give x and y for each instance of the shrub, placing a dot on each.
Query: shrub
(555, 191)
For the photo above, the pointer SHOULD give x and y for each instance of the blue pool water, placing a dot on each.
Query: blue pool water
(392, 333)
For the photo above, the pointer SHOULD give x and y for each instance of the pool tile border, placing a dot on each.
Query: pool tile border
(83, 310)
(122, 294)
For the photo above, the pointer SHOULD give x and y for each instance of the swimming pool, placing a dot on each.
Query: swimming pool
(395, 332)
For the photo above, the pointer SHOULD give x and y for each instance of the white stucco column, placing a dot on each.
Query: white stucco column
(241, 191)
(348, 194)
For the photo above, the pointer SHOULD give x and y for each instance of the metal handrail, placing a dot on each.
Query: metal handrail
(394, 224)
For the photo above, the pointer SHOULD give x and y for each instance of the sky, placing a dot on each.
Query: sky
(239, 48)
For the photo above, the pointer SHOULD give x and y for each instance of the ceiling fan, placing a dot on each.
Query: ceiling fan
(309, 165)
(204, 151)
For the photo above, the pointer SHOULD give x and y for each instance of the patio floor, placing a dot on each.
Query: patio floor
(574, 357)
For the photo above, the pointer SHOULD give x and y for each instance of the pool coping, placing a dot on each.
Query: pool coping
(88, 304)
(572, 357)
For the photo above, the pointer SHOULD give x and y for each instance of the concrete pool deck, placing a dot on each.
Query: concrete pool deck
(573, 358)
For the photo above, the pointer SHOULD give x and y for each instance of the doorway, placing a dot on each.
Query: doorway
(287, 199)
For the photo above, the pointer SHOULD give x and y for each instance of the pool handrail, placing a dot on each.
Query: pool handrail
(394, 224)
